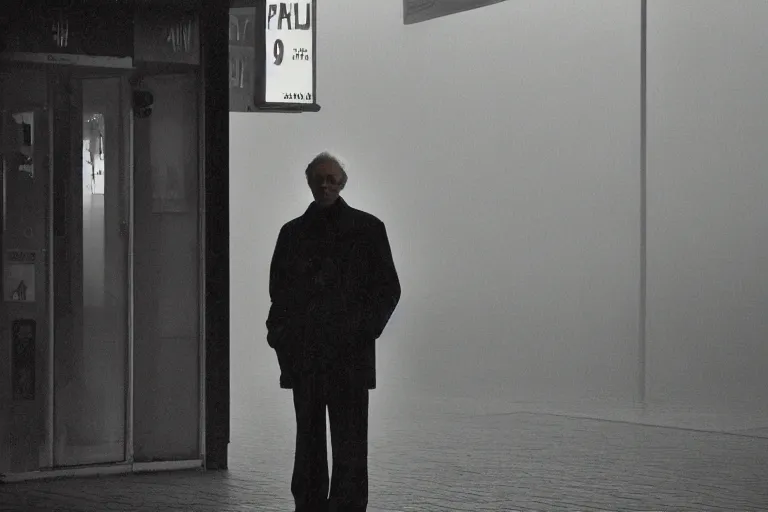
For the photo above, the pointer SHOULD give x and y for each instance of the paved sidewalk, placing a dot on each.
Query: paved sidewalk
(521, 461)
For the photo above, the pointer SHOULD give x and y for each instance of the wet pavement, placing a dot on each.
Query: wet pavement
(446, 459)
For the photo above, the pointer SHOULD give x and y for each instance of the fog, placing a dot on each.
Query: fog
(501, 147)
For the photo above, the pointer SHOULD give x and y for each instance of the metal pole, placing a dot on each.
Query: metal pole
(642, 349)
(126, 93)
(50, 397)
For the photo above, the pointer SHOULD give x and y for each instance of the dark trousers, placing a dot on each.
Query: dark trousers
(348, 415)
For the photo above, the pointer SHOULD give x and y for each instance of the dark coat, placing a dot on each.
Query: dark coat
(333, 286)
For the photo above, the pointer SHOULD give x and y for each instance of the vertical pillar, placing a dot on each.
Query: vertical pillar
(214, 21)
(642, 337)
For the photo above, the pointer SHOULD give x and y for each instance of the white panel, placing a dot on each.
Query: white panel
(290, 52)
(707, 208)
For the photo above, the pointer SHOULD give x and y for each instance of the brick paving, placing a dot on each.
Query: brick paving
(424, 459)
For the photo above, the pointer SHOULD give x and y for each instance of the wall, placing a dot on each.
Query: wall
(707, 208)
(167, 386)
(500, 147)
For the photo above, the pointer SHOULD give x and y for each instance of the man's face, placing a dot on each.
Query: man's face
(325, 183)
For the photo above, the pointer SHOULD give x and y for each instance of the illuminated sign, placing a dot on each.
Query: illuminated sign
(272, 56)
(290, 48)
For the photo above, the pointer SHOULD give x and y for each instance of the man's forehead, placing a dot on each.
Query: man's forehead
(327, 168)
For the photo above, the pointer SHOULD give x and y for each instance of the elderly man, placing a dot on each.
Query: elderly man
(333, 286)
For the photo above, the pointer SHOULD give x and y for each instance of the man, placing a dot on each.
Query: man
(333, 286)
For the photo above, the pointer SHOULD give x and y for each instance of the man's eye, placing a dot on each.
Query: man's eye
(327, 179)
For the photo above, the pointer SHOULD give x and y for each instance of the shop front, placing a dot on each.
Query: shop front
(114, 320)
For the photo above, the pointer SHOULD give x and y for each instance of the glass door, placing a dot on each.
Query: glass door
(91, 241)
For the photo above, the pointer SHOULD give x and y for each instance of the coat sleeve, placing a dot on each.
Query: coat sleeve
(383, 294)
(277, 289)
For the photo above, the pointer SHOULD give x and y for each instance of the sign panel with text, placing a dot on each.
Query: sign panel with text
(272, 56)
(94, 36)
(167, 36)
(245, 69)
(19, 276)
(290, 76)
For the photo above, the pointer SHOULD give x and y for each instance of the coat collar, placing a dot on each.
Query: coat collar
(335, 209)
(338, 213)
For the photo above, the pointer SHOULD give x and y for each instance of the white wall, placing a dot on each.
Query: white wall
(500, 147)
(707, 202)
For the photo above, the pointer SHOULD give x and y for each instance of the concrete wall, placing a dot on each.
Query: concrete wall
(707, 207)
(501, 147)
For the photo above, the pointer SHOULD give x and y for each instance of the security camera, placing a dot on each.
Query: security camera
(142, 104)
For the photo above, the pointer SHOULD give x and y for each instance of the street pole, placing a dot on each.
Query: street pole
(642, 349)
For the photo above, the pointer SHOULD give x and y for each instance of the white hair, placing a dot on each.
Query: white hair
(324, 158)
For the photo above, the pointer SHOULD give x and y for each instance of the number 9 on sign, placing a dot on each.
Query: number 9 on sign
(278, 51)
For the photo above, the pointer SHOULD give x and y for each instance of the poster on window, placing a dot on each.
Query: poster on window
(169, 194)
(19, 276)
(23, 359)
